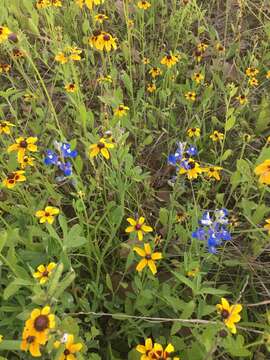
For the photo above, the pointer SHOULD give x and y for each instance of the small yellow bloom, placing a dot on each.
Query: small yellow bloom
(155, 71)
(88, 3)
(22, 145)
(40, 323)
(164, 354)
(193, 272)
(4, 33)
(105, 79)
(170, 60)
(253, 82)
(202, 47)
(143, 4)
(230, 314)
(263, 170)
(4, 68)
(267, 225)
(198, 77)
(47, 215)
(121, 110)
(145, 349)
(149, 258)
(181, 216)
(138, 227)
(30, 343)
(194, 132)
(190, 96)
(71, 87)
(14, 177)
(61, 57)
(213, 172)
(71, 348)
(192, 170)
(267, 74)
(27, 161)
(5, 127)
(217, 136)
(101, 147)
(198, 55)
(1, 338)
(43, 4)
(220, 48)
(17, 53)
(151, 87)
(146, 61)
(75, 53)
(242, 99)
(44, 272)
(252, 72)
(101, 18)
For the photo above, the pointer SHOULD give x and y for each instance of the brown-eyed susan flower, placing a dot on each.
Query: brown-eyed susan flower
(202, 47)
(92, 40)
(194, 132)
(220, 48)
(103, 41)
(56, 3)
(263, 170)
(190, 96)
(193, 272)
(267, 74)
(213, 172)
(71, 348)
(17, 54)
(88, 3)
(217, 136)
(181, 216)
(40, 323)
(192, 170)
(253, 82)
(101, 18)
(252, 72)
(229, 313)
(105, 79)
(22, 145)
(149, 258)
(4, 33)
(198, 77)
(74, 53)
(44, 272)
(43, 4)
(30, 343)
(146, 349)
(146, 61)
(27, 161)
(5, 127)
(61, 58)
(71, 87)
(155, 72)
(13, 178)
(143, 4)
(4, 68)
(121, 110)
(101, 147)
(164, 354)
(169, 60)
(151, 87)
(267, 225)
(47, 215)
(198, 55)
(242, 99)
(138, 226)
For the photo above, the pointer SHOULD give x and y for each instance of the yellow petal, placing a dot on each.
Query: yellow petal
(139, 251)
(46, 310)
(156, 256)
(148, 344)
(141, 349)
(51, 266)
(34, 349)
(141, 265)
(41, 268)
(40, 213)
(152, 266)
(105, 153)
(235, 309)
(140, 235)
(141, 220)
(169, 348)
(225, 304)
(131, 221)
(147, 249)
(35, 313)
(75, 348)
(146, 228)
(130, 229)
(43, 280)
(94, 152)
(52, 210)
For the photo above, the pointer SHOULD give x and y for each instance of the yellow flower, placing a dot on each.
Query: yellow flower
(151, 87)
(252, 72)
(4, 67)
(138, 226)
(17, 53)
(202, 47)
(198, 55)
(56, 3)
(121, 110)
(220, 48)
(30, 342)
(193, 169)
(268, 140)
(155, 71)
(146, 349)
(146, 61)
(159, 353)
(213, 172)
(43, 4)
(105, 79)
(71, 87)
(5, 127)
(190, 95)
(194, 132)
(217, 136)
(101, 147)
(40, 323)
(169, 60)
(242, 99)
(47, 215)
(181, 216)
(143, 4)
(230, 314)
(267, 225)
(27, 161)
(1, 338)
(4, 33)
(102, 40)
(193, 272)
(253, 82)
(22, 145)
(264, 171)
(149, 258)
(14, 177)
(70, 349)
(267, 74)
(101, 18)
(44, 272)
(74, 53)
(198, 77)
(61, 57)
(89, 3)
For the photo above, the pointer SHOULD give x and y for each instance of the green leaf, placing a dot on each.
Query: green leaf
(230, 123)
(163, 216)
(184, 280)
(263, 118)
(10, 345)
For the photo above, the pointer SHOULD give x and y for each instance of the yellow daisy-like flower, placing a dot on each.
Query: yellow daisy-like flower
(138, 226)
(155, 72)
(17, 53)
(242, 99)
(198, 55)
(101, 18)
(151, 87)
(40, 323)
(43, 4)
(27, 161)
(101, 147)
(220, 48)
(159, 353)
(4, 33)
(267, 225)
(47, 215)
(14, 177)
(71, 87)
(217, 136)
(105, 79)
(263, 170)
(149, 258)
(190, 96)
(102, 40)
(267, 74)
(4, 68)
(144, 5)
(61, 58)
(88, 3)
(169, 60)
(56, 3)
(193, 169)
(253, 82)
(30, 343)
(121, 110)
(252, 72)
(71, 348)
(44, 272)
(75, 53)
(213, 172)
(146, 349)
(202, 47)
(193, 272)
(146, 61)
(22, 145)
(230, 314)
(198, 77)
(194, 132)
(5, 127)
(181, 216)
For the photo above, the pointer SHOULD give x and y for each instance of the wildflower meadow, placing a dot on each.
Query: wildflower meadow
(134, 179)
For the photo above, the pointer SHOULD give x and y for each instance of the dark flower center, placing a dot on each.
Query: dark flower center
(191, 165)
(120, 108)
(45, 273)
(198, 53)
(30, 339)
(96, 32)
(193, 129)
(225, 314)
(23, 144)
(148, 257)
(106, 37)
(169, 57)
(11, 176)
(138, 226)
(211, 169)
(41, 323)
(16, 177)
(11, 181)
(1, 30)
(66, 352)
(47, 214)
(100, 145)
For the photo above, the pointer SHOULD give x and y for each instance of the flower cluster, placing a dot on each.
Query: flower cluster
(101, 40)
(44, 4)
(213, 229)
(88, 3)
(4, 33)
(70, 53)
(156, 351)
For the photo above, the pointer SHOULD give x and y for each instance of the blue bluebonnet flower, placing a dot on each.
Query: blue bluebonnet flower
(63, 151)
(213, 229)
(182, 155)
